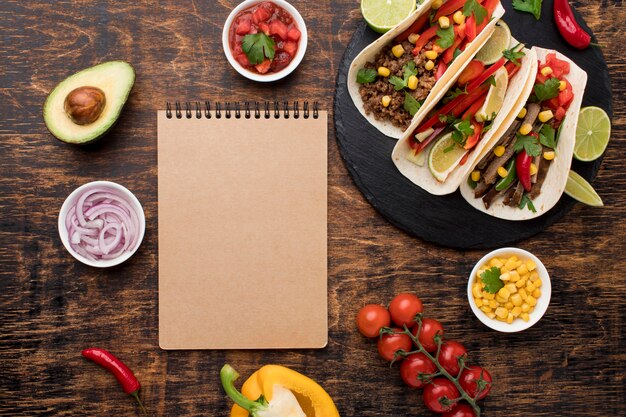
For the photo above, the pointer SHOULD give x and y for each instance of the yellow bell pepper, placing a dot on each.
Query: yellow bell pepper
(273, 391)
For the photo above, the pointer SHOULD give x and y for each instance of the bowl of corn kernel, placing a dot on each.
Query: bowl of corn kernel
(509, 290)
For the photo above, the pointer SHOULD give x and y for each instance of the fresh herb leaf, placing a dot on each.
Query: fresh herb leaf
(397, 82)
(473, 184)
(528, 143)
(408, 70)
(548, 90)
(450, 148)
(491, 80)
(491, 279)
(529, 6)
(446, 37)
(452, 94)
(410, 104)
(258, 47)
(513, 55)
(527, 202)
(456, 53)
(462, 130)
(547, 136)
(489, 123)
(472, 6)
(366, 75)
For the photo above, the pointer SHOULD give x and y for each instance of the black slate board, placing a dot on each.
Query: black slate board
(450, 220)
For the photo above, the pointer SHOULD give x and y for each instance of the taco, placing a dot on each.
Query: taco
(402, 74)
(525, 173)
(439, 149)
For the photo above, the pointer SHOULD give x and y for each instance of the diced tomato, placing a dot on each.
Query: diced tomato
(566, 96)
(441, 69)
(425, 38)
(416, 27)
(475, 137)
(281, 60)
(290, 48)
(471, 72)
(560, 113)
(540, 79)
(264, 66)
(279, 29)
(243, 60)
(552, 103)
(261, 14)
(559, 67)
(470, 28)
(244, 25)
(265, 28)
(293, 34)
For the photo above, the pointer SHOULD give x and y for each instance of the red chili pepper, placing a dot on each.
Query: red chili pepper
(124, 375)
(568, 27)
(522, 167)
(416, 27)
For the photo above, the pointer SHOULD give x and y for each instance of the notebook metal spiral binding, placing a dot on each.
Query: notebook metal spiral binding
(250, 110)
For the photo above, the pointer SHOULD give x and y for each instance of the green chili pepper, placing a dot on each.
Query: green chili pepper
(504, 183)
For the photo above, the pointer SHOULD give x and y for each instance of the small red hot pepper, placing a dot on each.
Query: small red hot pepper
(522, 167)
(568, 27)
(124, 375)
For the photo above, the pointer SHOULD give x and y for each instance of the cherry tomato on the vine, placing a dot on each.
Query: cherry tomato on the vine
(389, 344)
(449, 356)
(371, 319)
(476, 381)
(461, 410)
(414, 365)
(403, 309)
(440, 395)
(430, 327)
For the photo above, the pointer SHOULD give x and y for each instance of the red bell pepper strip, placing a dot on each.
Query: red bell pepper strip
(522, 167)
(416, 27)
(470, 28)
(448, 55)
(459, 30)
(464, 159)
(473, 109)
(449, 7)
(488, 73)
(472, 140)
(490, 5)
(511, 69)
(425, 38)
(469, 99)
(441, 69)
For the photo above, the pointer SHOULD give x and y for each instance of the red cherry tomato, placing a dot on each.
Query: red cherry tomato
(430, 327)
(389, 344)
(470, 381)
(461, 410)
(371, 319)
(403, 309)
(414, 365)
(438, 393)
(449, 356)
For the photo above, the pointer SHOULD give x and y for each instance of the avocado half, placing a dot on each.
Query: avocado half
(114, 78)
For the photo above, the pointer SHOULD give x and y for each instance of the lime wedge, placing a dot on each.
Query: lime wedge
(444, 157)
(495, 97)
(579, 189)
(592, 133)
(382, 15)
(498, 42)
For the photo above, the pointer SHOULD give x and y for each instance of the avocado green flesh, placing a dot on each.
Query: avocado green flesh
(114, 78)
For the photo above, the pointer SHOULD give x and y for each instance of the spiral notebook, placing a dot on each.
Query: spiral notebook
(242, 226)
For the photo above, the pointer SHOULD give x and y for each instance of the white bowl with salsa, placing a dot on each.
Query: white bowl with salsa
(264, 40)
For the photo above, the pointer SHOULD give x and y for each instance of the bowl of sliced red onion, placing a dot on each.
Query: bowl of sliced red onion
(101, 224)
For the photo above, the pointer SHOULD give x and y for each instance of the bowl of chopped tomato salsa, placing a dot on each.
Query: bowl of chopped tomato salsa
(264, 40)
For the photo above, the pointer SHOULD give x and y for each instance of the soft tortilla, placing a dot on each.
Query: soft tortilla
(554, 185)
(440, 87)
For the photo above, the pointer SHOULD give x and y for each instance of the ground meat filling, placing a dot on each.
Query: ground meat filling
(373, 93)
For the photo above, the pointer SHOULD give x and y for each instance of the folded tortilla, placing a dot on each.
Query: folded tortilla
(440, 87)
(554, 184)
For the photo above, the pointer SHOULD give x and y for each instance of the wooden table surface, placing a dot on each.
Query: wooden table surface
(571, 363)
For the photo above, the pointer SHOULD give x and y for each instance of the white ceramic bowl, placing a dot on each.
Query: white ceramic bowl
(542, 302)
(72, 199)
(276, 75)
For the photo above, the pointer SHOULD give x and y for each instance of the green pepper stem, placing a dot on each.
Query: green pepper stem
(228, 376)
(135, 395)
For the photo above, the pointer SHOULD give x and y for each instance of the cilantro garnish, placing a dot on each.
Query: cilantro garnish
(546, 91)
(529, 6)
(258, 47)
(526, 201)
(410, 104)
(397, 82)
(472, 6)
(491, 279)
(513, 55)
(446, 37)
(528, 143)
(491, 80)
(400, 83)
(366, 75)
(462, 130)
(547, 136)
(452, 94)
(456, 53)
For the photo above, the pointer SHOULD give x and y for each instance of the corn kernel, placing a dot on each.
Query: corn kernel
(486, 309)
(525, 129)
(437, 4)
(537, 283)
(500, 300)
(518, 264)
(444, 22)
(511, 288)
(510, 264)
(431, 54)
(530, 311)
(525, 307)
(530, 288)
(491, 315)
(501, 312)
(485, 301)
(549, 155)
(476, 177)
(531, 301)
(514, 276)
(505, 277)
(520, 283)
(493, 303)
(500, 319)
(509, 305)
(537, 293)
(385, 101)
(525, 316)
(495, 262)
(458, 17)
(509, 318)
(534, 276)
(522, 113)
(530, 264)
(516, 311)
(516, 299)
(545, 71)
(545, 116)
(503, 173)
(384, 72)
(489, 296)
(429, 65)
(479, 302)
(476, 290)
(413, 37)
(412, 83)
(562, 85)
(397, 51)
(533, 171)
(504, 269)
(499, 151)
(522, 292)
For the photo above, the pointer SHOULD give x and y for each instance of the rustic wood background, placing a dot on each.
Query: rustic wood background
(571, 363)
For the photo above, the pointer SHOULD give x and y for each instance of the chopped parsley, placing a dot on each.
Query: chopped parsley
(528, 143)
(446, 37)
(528, 6)
(366, 75)
(462, 130)
(527, 202)
(547, 136)
(491, 279)
(513, 55)
(546, 91)
(452, 94)
(408, 70)
(410, 104)
(258, 47)
(472, 6)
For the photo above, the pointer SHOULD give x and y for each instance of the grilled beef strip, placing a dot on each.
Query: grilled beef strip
(532, 111)
(493, 194)
(504, 141)
(481, 189)
(517, 195)
(509, 194)
(491, 173)
(541, 177)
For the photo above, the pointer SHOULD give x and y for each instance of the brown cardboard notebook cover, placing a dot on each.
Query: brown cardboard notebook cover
(242, 232)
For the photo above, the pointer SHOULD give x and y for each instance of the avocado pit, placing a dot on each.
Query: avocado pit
(84, 105)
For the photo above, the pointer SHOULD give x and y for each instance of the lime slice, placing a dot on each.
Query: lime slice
(495, 97)
(579, 189)
(498, 42)
(382, 15)
(444, 157)
(592, 133)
